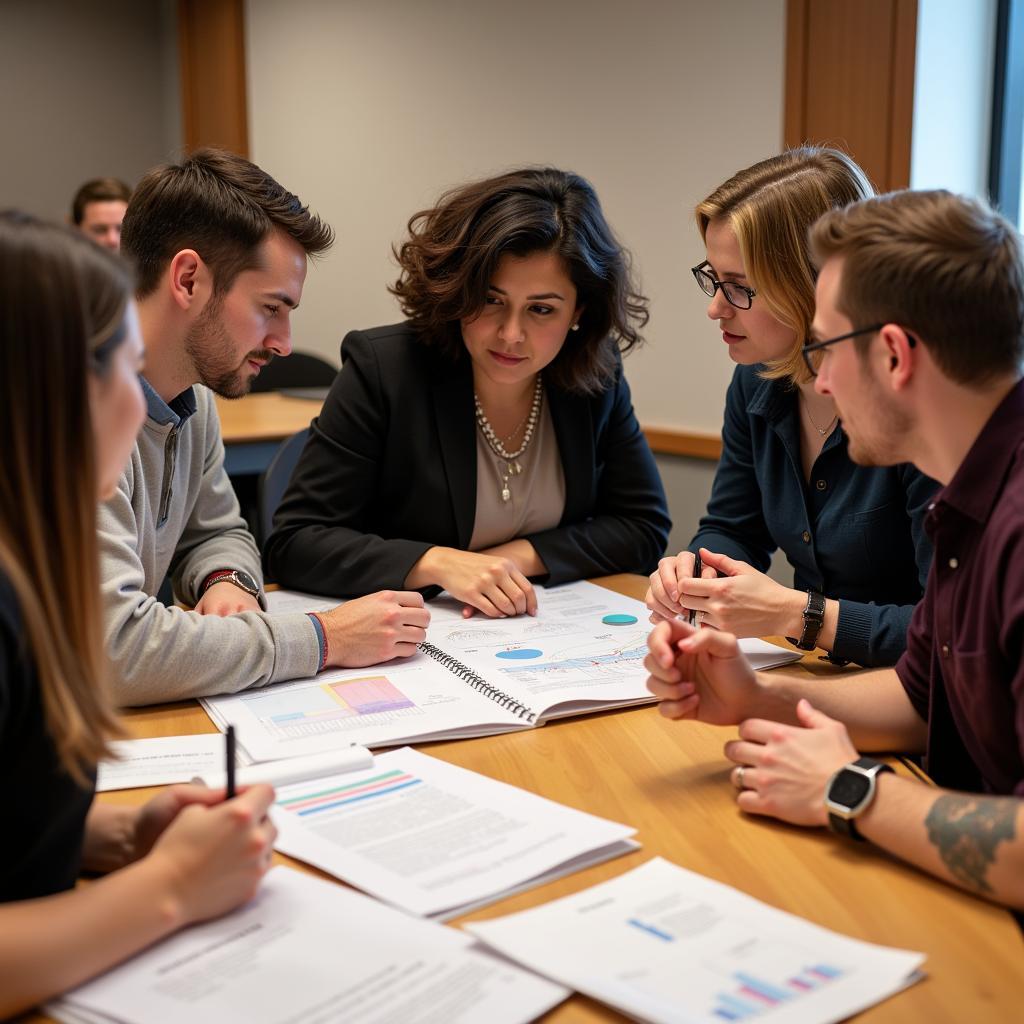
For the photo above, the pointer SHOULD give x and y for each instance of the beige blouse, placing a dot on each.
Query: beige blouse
(538, 493)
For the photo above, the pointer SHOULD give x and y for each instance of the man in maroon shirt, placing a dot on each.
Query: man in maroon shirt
(920, 300)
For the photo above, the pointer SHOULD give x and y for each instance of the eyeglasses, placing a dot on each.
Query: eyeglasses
(737, 295)
(815, 351)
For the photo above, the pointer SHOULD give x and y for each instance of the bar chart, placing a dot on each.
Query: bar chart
(754, 996)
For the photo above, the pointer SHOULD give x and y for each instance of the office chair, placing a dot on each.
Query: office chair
(299, 370)
(274, 481)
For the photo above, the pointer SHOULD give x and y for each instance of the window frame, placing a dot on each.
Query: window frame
(1006, 156)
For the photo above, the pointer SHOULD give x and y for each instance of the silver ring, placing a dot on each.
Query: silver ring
(740, 770)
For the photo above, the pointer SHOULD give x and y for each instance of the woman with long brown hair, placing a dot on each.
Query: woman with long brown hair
(490, 439)
(70, 407)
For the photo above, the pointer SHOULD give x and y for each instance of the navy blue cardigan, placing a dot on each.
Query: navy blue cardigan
(390, 470)
(854, 533)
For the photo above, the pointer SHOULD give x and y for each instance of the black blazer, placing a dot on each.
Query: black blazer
(389, 471)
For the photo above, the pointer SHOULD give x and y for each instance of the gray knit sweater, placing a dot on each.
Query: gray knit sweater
(175, 512)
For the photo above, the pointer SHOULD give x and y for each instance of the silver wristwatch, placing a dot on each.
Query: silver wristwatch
(849, 794)
(238, 577)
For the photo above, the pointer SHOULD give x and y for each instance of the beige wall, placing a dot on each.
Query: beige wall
(369, 108)
(89, 89)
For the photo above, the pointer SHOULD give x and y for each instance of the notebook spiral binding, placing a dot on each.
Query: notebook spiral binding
(478, 682)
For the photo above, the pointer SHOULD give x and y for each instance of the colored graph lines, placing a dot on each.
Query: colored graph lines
(333, 797)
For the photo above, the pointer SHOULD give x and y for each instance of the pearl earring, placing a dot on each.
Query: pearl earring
(575, 327)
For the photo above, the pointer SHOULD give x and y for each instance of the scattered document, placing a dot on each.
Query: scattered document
(582, 652)
(296, 769)
(663, 944)
(763, 655)
(165, 760)
(309, 950)
(160, 761)
(436, 839)
(281, 601)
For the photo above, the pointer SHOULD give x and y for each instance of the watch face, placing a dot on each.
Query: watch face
(248, 583)
(849, 788)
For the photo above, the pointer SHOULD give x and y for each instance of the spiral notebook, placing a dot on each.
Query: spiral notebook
(583, 652)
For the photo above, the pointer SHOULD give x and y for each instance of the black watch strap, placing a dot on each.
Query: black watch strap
(814, 619)
(845, 827)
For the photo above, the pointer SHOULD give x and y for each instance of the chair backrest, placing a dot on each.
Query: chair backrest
(274, 481)
(299, 370)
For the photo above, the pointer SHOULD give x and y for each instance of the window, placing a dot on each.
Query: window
(1006, 165)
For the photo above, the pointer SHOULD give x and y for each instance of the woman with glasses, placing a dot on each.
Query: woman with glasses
(853, 534)
(488, 441)
(70, 407)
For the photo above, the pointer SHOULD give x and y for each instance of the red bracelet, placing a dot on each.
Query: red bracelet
(217, 574)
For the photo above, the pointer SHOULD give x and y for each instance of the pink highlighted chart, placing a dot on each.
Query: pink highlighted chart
(342, 706)
(369, 695)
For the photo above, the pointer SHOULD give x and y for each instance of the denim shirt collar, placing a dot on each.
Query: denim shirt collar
(172, 413)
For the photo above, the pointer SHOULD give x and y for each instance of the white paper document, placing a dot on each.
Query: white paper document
(306, 950)
(436, 839)
(165, 760)
(669, 946)
(296, 769)
(160, 761)
(281, 601)
(582, 652)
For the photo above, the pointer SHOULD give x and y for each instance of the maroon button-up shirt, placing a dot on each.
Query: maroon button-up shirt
(963, 668)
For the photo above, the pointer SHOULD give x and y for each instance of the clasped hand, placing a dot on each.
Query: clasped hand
(699, 674)
(782, 770)
(742, 601)
(487, 582)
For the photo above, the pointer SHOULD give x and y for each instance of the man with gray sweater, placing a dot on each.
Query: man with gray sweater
(220, 250)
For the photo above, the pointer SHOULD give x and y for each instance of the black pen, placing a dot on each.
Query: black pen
(698, 568)
(229, 766)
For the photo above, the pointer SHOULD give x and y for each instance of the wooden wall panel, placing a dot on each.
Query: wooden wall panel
(683, 442)
(213, 86)
(850, 81)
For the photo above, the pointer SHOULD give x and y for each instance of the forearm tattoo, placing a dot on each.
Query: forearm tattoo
(966, 831)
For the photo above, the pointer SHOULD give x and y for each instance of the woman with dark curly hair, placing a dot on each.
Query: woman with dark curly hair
(490, 439)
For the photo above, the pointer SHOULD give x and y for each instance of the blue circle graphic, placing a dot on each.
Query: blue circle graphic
(619, 620)
(520, 654)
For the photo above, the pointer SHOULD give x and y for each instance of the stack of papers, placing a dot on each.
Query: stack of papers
(308, 950)
(436, 839)
(665, 945)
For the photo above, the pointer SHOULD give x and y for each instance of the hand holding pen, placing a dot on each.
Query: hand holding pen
(664, 594)
(697, 569)
(229, 765)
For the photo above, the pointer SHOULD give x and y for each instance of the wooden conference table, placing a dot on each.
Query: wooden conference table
(671, 781)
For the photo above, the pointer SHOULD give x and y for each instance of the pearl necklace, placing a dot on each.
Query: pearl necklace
(510, 459)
